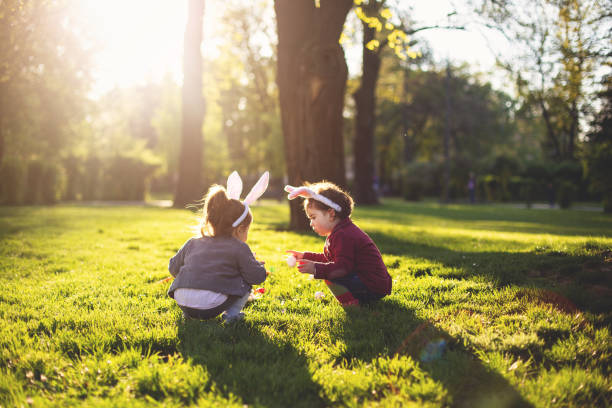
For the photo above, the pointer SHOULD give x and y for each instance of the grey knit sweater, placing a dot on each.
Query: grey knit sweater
(219, 264)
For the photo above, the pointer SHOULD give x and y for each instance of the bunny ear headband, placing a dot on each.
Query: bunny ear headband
(308, 193)
(234, 188)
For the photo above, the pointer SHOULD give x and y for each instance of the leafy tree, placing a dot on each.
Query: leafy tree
(599, 149)
(44, 78)
(248, 95)
(374, 17)
(561, 46)
(481, 122)
(119, 149)
(167, 123)
(379, 33)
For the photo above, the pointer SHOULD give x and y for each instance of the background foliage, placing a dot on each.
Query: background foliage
(534, 142)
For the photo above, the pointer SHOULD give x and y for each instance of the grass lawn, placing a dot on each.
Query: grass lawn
(491, 307)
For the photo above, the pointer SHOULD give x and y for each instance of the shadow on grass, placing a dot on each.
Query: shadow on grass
(584, 279)
(15, 221)
(566, 223)
(243, 362)
(389, 328)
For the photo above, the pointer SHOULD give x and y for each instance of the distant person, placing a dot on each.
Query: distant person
(214, 272)
(350, 264)
(376, 186)
(471, 186)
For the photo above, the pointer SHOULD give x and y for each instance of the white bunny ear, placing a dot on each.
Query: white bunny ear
(299, 191)
(258, 189)
(309, 193)
(234, 186)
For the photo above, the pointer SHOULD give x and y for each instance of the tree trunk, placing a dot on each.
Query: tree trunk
(311, 78)
(549, 127)
(1, 140)
(189, 186)
(3, 93)
(573, 131)
(447, 124)
(365, 101)
(409, 150)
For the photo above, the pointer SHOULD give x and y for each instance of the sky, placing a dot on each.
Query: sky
(472, 44)
(142, 39)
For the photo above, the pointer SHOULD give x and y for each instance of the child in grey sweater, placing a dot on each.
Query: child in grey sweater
(215, 271)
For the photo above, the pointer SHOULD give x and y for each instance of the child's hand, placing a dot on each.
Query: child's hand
(305, 266)
(262, 263)
(298, 255)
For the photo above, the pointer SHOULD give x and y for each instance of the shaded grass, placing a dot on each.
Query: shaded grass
(491, 307)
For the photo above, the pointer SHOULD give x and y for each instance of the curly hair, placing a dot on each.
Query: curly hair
(334, 193)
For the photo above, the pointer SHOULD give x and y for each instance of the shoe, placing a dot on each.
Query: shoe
(351, 303)
(232, 319)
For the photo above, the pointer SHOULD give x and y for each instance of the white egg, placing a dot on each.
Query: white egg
(291, 261)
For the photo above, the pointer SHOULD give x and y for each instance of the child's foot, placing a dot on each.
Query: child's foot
(350, 303)
(232, 318)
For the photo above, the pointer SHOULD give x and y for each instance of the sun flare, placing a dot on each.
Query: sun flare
(138, 40)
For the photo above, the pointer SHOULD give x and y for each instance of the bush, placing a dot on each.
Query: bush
(504, 168)
(516, 187)
(53, 179)
(490, 185)
(570, 171)
(73, 175)
(538, 176)
(599, 167)
(566, 194)
(607, 202)
(92, 187)
(12, 173)
(528, 190)
(418, 180)
(34, 179)
(126, 178)
(538, 171)
(43, 183)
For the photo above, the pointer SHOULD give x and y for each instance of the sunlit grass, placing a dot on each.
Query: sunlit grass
(518, 302)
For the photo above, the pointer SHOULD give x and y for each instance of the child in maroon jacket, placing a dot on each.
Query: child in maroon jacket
(350, 264)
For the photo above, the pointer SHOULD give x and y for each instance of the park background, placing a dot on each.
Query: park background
(92, 92)
(110, 110)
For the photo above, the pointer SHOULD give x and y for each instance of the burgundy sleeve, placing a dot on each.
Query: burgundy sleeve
(343, 258)
(315, 257)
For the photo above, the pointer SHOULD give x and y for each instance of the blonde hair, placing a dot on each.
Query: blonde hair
(335, 194)
(220, 212)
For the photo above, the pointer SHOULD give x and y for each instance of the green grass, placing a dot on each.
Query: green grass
(521, 301)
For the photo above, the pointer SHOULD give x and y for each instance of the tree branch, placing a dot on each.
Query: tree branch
(442, 27)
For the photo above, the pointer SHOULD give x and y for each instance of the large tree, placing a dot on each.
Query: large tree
(248, 96)
(559, 49)
(379, 34)
(482, 124)
(43, 77)
(311, 78)
(189, 185)
(598, 152)
(365, 103)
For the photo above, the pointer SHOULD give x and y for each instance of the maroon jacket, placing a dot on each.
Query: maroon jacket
(351, 250)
